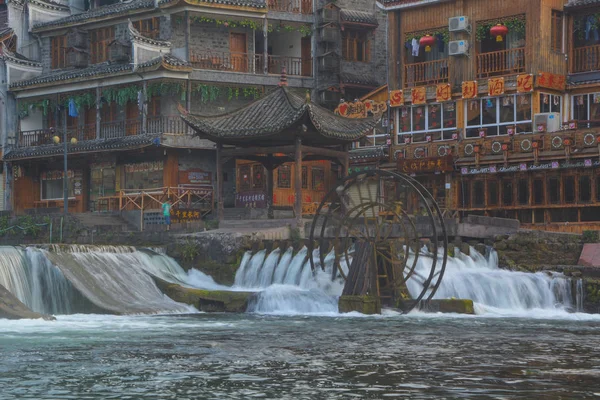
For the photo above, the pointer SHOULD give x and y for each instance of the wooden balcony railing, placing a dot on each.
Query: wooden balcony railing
(291, 6)
(293, 65)
(108, 130)
(426, 73)
(224, 61)
(584, 59)
(498, 63)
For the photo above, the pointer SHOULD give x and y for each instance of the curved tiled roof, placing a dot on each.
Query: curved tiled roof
(111, 10)
(269, 117)
(581, 3)
(363, 80)
(358, 17)
(239, 3)
(50, 150)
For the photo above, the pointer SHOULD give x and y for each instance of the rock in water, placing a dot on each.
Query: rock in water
(12, 308)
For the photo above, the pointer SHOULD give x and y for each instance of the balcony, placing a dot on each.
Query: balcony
(585, 59)
(426, 73)
(251, 63)
(499, 63)
(291, 6)
(108, 130)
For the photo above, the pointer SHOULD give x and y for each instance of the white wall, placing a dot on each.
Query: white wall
(286, 43)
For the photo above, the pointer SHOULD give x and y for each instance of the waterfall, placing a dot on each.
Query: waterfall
(480, 279)
(283, 265)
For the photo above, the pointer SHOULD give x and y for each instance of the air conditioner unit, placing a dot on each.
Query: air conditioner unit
(546, 122)
(458, 24)
(458, 48)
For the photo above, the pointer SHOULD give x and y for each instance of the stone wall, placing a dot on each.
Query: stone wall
(205, 37)
(536, 250)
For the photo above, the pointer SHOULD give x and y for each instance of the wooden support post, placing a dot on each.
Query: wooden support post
(187, 35)
(298, 183)
(144, 107)
(345, 163)
(219, 183)
(98, 111)
(269, 167)
(265, 64)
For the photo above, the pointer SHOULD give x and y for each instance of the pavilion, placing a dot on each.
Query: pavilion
(280, 127)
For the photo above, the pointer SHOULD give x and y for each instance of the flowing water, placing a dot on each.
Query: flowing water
(293, 344)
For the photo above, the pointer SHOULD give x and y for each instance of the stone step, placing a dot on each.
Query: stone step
(103, 221)
(256, 223)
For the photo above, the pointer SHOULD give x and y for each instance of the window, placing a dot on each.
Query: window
(258, 177)
(144, 175)
(553, 190)
(52, 185)
(99, 41)
(538, 191)
(556, 31)
(377, 138)
(507, 192)
(585, 189)
(149, 28)
(478, 194)
(437, 120)
(586, 107)
(318, 178)
(355, 46)
(59, 52)
(245, 178)
(496, 114)
(523, 191)
(284, 174)
(304, 177)
(465, 194)
(550, 103)
(492, 186)
(569, 182)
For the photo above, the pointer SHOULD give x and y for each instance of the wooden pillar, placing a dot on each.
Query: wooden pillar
(187, 35)
(298, 183)
(265, 63)
(219, 183)
(98, 112)
(144, 107)
(269, 168)
(345, 162)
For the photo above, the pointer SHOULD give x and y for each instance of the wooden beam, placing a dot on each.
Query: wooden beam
(298, 184)
(252, 151)
(339, 154)
(219, 182)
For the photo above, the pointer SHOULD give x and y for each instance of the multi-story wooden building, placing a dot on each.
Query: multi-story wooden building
(114, 75)
(496, 106)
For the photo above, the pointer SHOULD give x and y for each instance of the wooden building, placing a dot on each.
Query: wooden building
(285, 135)
(495, 107)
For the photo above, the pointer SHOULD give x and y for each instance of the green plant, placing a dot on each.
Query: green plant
(442, 32)
(211, 224)
(590, 236)
(189, 251)
(514, 24)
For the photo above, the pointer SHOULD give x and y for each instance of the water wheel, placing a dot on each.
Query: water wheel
(386, 237)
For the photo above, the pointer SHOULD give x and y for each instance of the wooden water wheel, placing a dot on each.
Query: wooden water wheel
(386, 236)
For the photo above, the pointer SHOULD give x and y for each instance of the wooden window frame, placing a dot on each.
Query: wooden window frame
(557, 31)
(351, 41)
(58, 51)
(149, 28)
(99, 41)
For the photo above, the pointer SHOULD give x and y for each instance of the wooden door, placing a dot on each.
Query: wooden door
(132, 116)
(90, 123)
(237, 47)
(306, 56)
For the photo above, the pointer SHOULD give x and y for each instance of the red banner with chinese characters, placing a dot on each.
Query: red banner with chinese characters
(495, 86)
(419, 95)
(422, 165)
(551, 81)
(525, 83)
(443, 92)
(396, 98)
(469, 89)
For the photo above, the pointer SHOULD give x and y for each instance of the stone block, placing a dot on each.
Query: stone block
(362, 304)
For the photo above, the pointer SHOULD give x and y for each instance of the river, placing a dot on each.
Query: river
(240, 356)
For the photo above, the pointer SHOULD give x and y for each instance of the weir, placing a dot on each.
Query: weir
(120, 279)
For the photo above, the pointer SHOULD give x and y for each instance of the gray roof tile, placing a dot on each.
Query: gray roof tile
(358, 17)
(581, 3)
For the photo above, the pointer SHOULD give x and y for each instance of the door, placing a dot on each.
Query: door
(237, 47)
(306, 56)
(132, 123)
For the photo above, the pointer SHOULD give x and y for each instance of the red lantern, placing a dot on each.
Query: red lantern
(427, 41)
(499, 31)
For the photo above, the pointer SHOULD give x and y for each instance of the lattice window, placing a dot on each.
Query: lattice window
(284, 177)
(556, 40)
(99, 41)
(149, 28)
(355, 46)
(59, 52)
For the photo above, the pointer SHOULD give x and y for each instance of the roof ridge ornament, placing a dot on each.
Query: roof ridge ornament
(283, 80)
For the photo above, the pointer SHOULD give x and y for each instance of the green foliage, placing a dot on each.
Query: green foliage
(121, 95)
(211, 224)
(514, 24)
(190, 250)
(305, 30)
(443, 32)
(579, 24)
(6, 227)
(590, 236)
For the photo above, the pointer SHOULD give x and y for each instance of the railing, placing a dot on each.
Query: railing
(585, 59)
(223, 61)
(426, 73)
(291, 6)
(293, 65)
(173, 125)
(499, 63)
(251, 63)
(108, 130)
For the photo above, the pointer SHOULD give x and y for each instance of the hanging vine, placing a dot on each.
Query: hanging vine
(305, 30)
(436, 32)
(514, 24)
